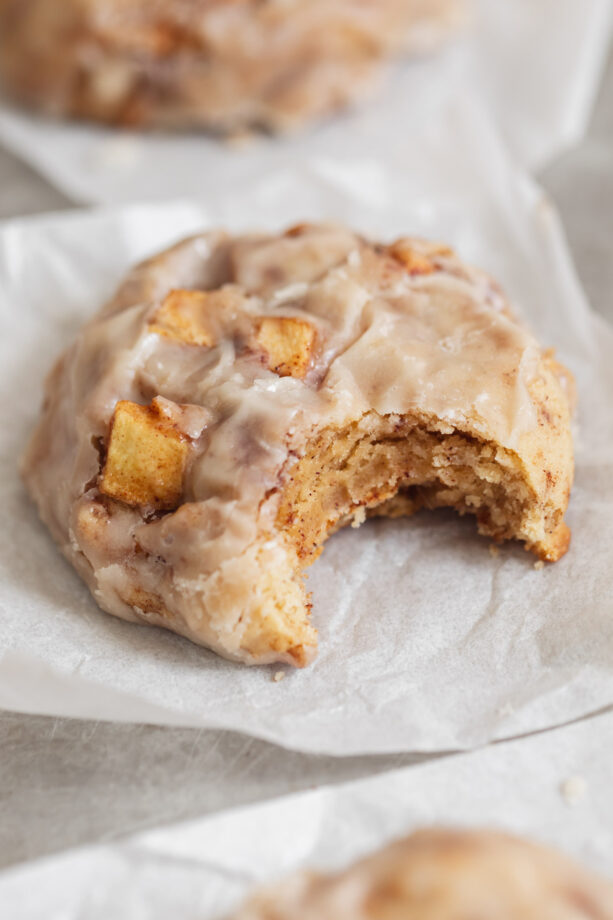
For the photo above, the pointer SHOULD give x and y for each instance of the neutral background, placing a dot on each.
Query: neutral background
(64, 783)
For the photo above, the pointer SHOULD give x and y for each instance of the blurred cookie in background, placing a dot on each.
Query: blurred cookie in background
(443, 875)
(223, 65)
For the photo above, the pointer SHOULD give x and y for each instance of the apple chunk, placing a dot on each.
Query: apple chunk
(183, 317)
(289, 343)
(417, 255)
(146, 458)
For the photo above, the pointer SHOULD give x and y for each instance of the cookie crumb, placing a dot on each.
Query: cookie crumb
(494, 550)
(573, 790)
(278, 675)
(506, 711)
(539, 564)
(359, 517)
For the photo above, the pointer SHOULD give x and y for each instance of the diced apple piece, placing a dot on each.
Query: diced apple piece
(146, 458)
(289, 343)
(183, 317)
(417, 256)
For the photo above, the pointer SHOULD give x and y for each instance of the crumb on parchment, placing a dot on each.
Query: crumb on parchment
(573, 790)
(506, 711)
(494, 550)
(539, 564)
(278, 675)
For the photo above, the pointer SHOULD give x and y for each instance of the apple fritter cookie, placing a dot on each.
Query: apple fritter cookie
(241, 398)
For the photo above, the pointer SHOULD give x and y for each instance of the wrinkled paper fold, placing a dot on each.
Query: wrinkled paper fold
(554, 788)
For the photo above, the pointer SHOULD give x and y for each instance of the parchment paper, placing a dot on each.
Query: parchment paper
(533, 64)
(427, 641)
(554, 788)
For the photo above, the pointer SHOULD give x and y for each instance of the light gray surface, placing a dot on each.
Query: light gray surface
(64, 783)
(581, 185)
(22, 191)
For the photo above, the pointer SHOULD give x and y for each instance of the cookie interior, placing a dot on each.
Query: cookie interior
(393, 466)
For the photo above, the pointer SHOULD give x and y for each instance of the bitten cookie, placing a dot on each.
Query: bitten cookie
(243, 397)
(444, 875)
(218, 64)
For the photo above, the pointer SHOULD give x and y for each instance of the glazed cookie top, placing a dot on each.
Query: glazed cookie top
(241, 346)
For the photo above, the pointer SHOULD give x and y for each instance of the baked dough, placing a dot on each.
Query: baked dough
(241, 398)
(444, 875)
(219, 64)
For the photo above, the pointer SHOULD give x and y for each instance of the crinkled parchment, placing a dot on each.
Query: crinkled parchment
(427, 641)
